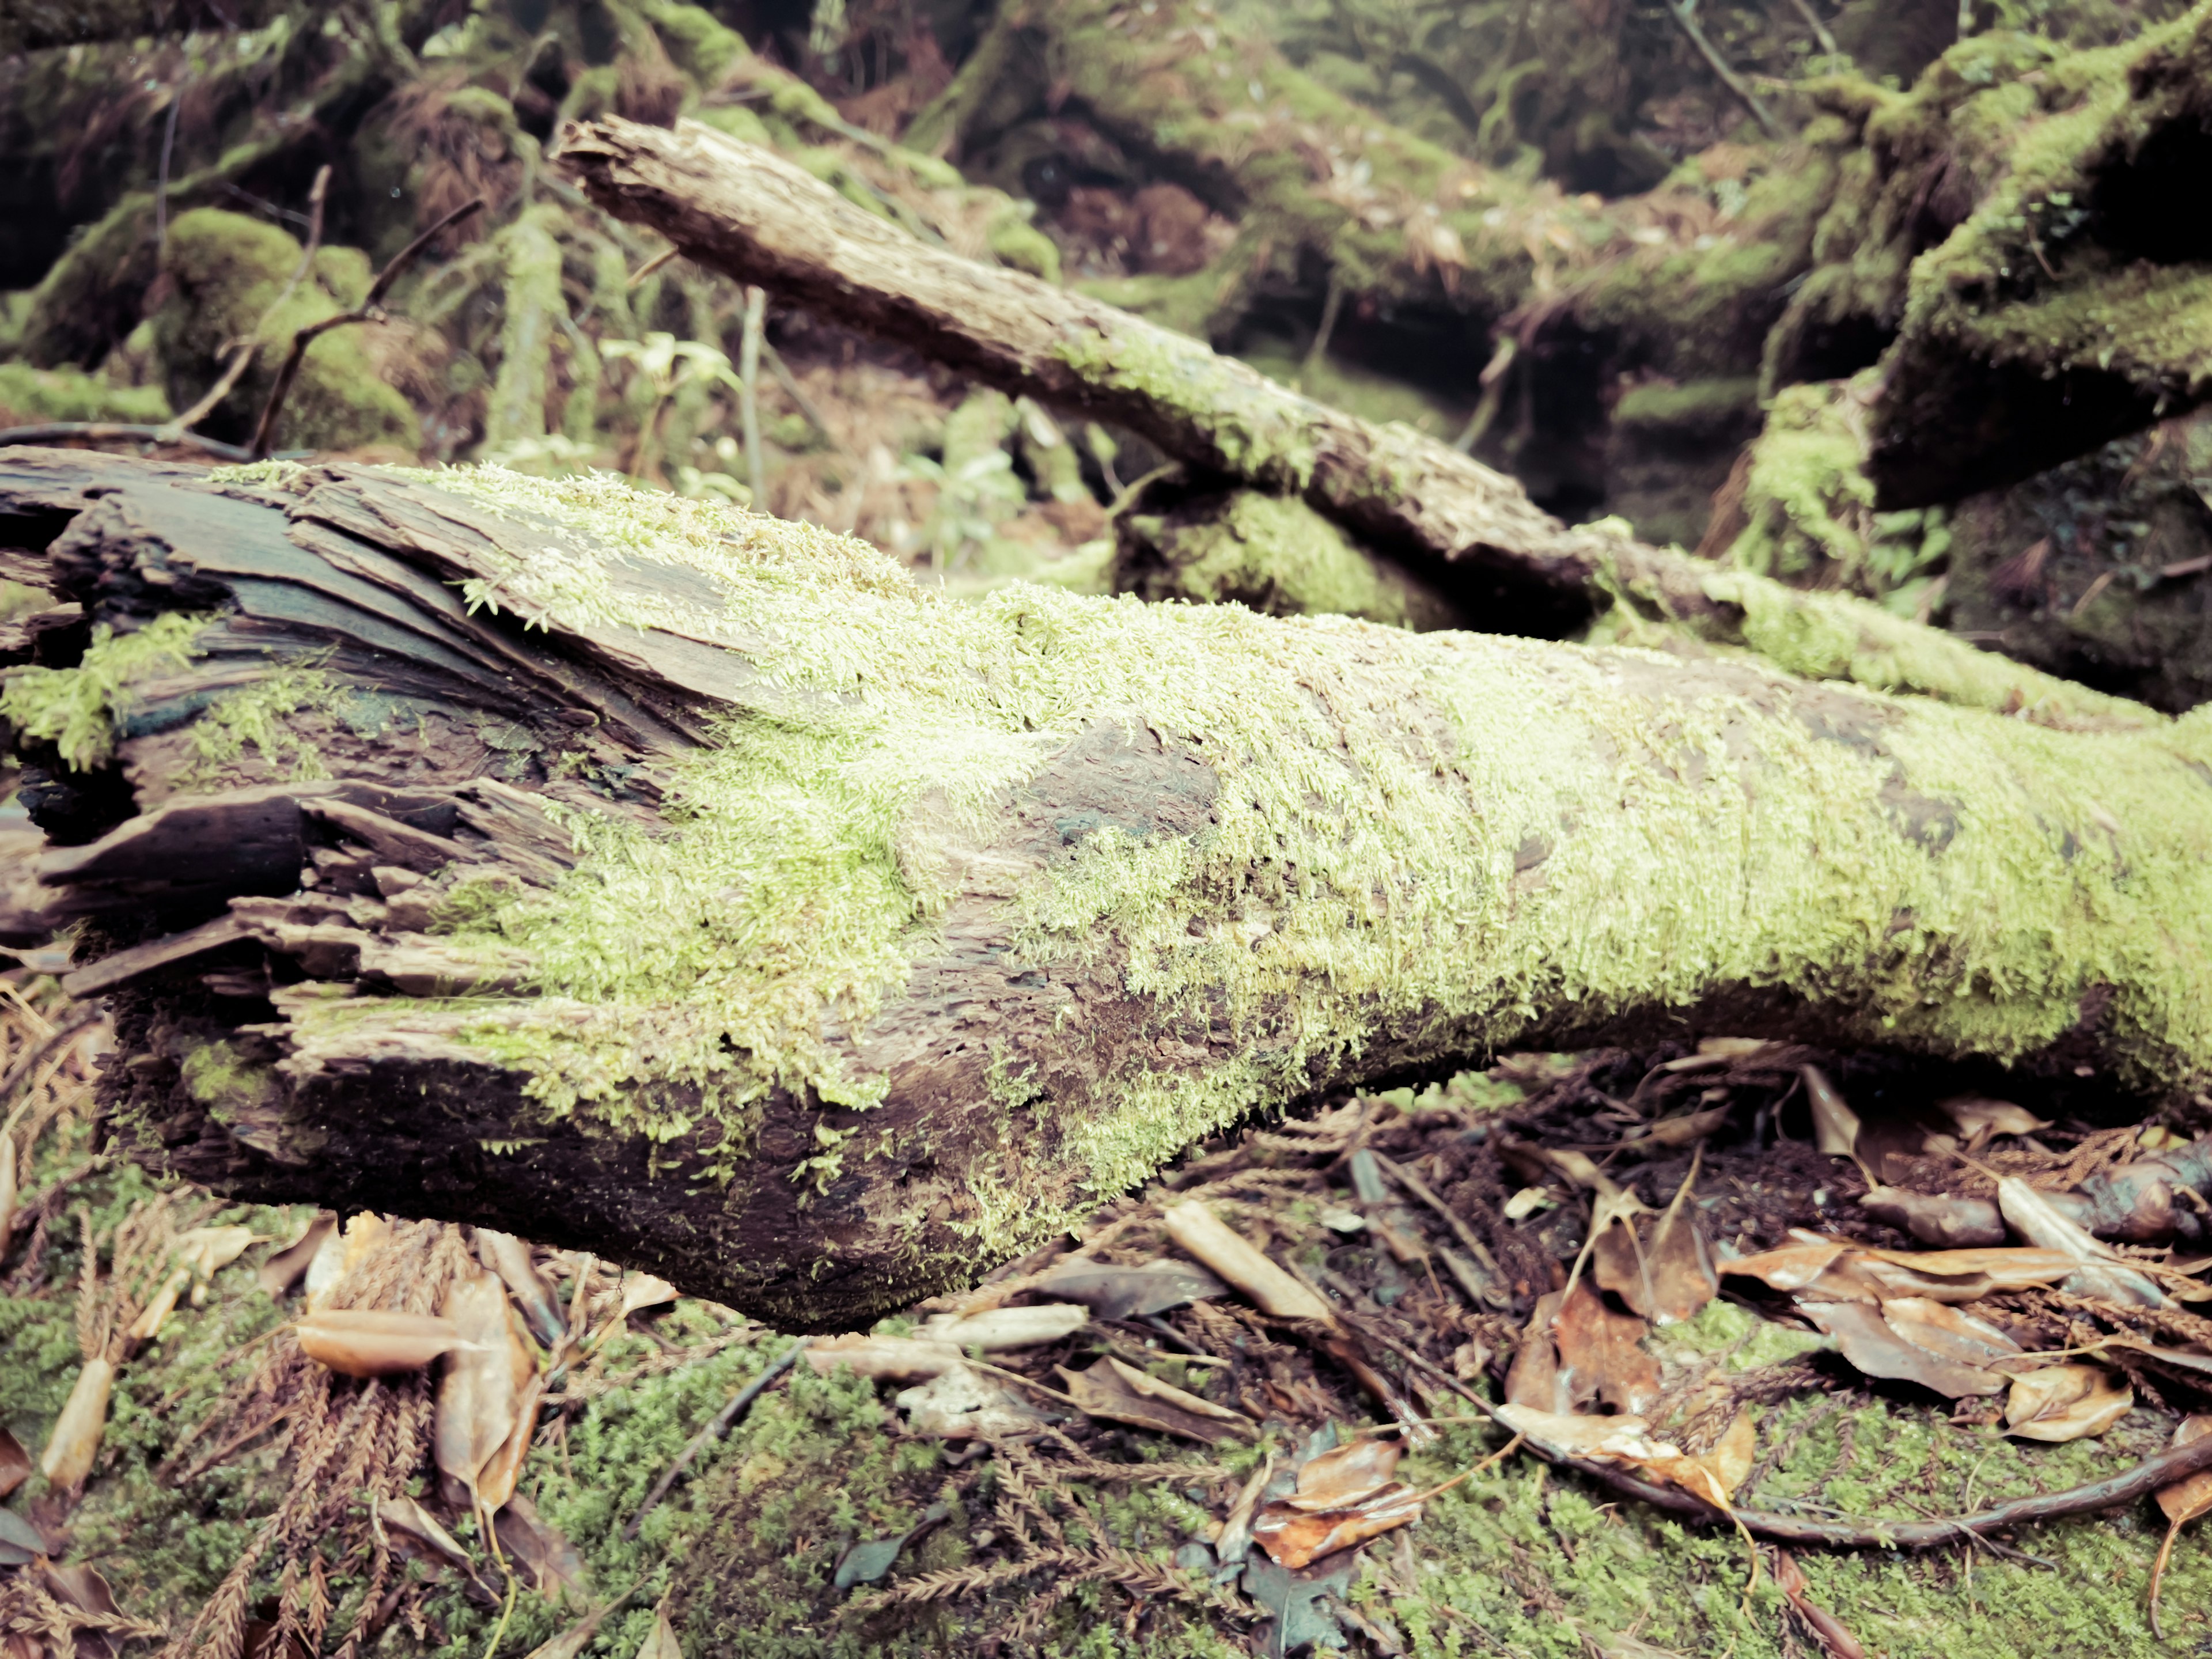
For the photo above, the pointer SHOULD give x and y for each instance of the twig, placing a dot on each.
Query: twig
(371, 310)
(119, 431)
(797, 393)
(1318, 351)
(1820, 30)
(715, 1431)
(162, 188)
(1680, 10)
(650, 266)
(748, 355)
(244, 352)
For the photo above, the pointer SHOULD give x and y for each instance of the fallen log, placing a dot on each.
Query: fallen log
(696, 886)
(1458, 527)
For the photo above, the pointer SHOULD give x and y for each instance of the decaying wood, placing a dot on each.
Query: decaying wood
(1217, 861)
(1507, 565)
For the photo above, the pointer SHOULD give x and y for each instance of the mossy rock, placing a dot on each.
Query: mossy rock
(227, 269)
(31, 395)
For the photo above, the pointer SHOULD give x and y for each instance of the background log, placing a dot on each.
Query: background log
(1470, 531)
(695, 886)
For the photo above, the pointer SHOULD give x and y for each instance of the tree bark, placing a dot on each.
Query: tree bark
(1460, 527)
(696, 888)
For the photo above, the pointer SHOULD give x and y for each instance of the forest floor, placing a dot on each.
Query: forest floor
(1104, 1449)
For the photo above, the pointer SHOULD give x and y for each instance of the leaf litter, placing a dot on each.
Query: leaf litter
(1316, 1296)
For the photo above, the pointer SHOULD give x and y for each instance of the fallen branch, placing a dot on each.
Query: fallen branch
(122, 432)
(759, 219)
(370, 310)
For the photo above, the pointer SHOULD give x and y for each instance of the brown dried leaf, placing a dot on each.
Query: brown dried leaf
(2186, 1500)
(643, 1291)
(885, 1359)
(1601, 1355)
(15, 1464)
(1679, 1131)
(1835, 1125)
(660, 1641)
(75, 1441)
(419, 1527)
(2060, 1403)
(1617, 1438)
(1205, 1236)
(509, 1257)
(148, 1325)
(1870, 1343)
(1534, 1380)
(1112, 1292)
(2034, 1218)
(1345, 1475)
(1789, 1579)
(1940, 1220)
(1295, 1538)
(1619, 1266)
(1792, 1267)
(207, 1250)
(369, 1342)
(553, 1563)
(1978, 1118)
(1713, 1475)
(495, 1481)
(282, 1270)
(1680, 1262)
(2005, 1269)
(481, 1390)
(1943, 1330)
(1007, 1327)
(1106, 1391)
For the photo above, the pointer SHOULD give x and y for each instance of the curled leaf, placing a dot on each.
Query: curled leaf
(1345, 1474)
(1122, 1394)
(479, 1396)
(1792, 1267)
(77, 1434)
(2060, 1403)
(1835, 1125)
(1295, 1538)
(509, 1257)
(1112, 1292)
(1876, 1348)
(163, 1302)
(15, 1464)
(1940, 1220)
(370, 1342)
(2181, 1502)
(1204, 1236)
(282, 1270)
(885, 1359)
(1978, 1118)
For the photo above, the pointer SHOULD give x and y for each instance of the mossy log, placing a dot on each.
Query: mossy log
(1467, 534)
(697, 888)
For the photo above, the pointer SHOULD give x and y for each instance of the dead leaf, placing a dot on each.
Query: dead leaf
(1979, 1118)
(1789, 1579)
(163, 1302)
(1713, 1476)
(1007, 1327)
(208, 1250)
(20, 1543)
(1295, 1538)
(660, 1641)
(885, 1359)
(77, 1434)
(1870, 1344)
(282, 1270)
(509, 1257)
(2060, 1403)
(15, 1464)
(641, 1291)
(1617, 1438)
(1601, 1355)
(1234, 1541)
(369, 1342)
(1345, 1474)
(1679, 1261)
(1617, 1264)
(1792, 1267)
(1734, 1048)
(2182, 1502)
(1204, 1236)
(1112, 1292)
(1835, 1125)
(866, 1562)
(1680, 1131)
(495, 1481)
(81, 1588)
(1526, 1202)
(419, 1526)
(553, 1563)
(1534, 1380)
(962, 1404)
(2034, 1218)
(1941, 1329)
(2010, 1268)
(9, 1192)
(325, 1268)
(1939, 1220)
(480, 1394)
(1121, 1393)
(1297, 1605)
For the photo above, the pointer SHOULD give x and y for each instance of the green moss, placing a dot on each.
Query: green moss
(79, 709)
(1016, 242)
(1276, 556)
(37, 395)
(228, 270)
(533, 310)
(259, 717)
(1700, 406)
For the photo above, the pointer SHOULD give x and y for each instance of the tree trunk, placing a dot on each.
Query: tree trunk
(696, 887)
(1457, 525)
